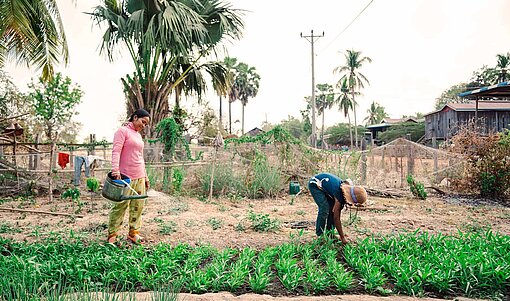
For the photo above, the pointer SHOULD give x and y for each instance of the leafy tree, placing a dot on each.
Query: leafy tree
(12, 101)
(295, 127)
(356, 80)
(324, 99)
(417, 130)
(54, 104)
(163, 37)
(451, 96)
(376, 114)
(482, 77)
(31, 31)
(339, 134)
(307, 124)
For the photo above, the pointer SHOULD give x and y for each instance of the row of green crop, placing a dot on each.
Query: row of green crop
(412, 264)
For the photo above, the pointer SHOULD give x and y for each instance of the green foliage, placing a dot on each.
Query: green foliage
(177, 179)
(400, 130)
(451, 96)
(171, 134)
(277, 134)
(54, 103)
(93, 184)
(263, 223)
(475, 265)
(338, 134)
(265, 181)
(71, 193)
(225, 182)
(417, 188)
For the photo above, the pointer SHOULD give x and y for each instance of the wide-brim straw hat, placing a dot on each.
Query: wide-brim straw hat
(354, 195)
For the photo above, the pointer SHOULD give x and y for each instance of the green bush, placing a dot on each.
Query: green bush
(225, 182)
(265, 179)
(399, 130)
(417, 188)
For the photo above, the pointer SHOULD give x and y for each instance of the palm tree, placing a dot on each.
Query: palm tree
(221, 85)
(376, 114)
(31, 31)
(502, 67)
(346, 104)
(232, 93)
(159, 33)
(356, 80)
(246, 85)
(324, 100)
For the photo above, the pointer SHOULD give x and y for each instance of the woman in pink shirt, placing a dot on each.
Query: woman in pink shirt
(127, 159)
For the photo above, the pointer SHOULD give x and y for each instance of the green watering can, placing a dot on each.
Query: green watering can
(115, 190)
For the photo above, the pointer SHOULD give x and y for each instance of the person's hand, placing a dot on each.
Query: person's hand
(116, 175)
(147, 184)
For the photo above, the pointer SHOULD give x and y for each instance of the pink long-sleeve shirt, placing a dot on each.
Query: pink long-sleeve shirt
(127, 152)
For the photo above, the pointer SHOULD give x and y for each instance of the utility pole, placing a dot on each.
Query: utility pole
(311, 38)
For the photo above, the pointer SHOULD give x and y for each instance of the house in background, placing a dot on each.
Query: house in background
(375, 129)
(490, 106)
(254, 132)
(493, 116)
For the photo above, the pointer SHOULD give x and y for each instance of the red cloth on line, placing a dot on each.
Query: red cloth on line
(63, 159)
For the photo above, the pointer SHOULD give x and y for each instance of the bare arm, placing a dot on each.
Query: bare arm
(337, 221)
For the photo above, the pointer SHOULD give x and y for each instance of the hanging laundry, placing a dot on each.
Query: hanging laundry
(63, 159)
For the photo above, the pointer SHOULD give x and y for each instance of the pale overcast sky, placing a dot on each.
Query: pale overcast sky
(419, 48)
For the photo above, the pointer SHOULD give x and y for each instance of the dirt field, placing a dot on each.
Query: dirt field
(224, 223)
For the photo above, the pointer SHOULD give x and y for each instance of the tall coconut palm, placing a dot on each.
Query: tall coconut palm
(356, 80)
(325, 98)
(157, 33)
(346, 104)
(31, 31)
(246, 84)
(376, 114)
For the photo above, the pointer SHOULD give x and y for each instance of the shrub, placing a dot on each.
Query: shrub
(265, 179)
(417, 188)
(487, 158)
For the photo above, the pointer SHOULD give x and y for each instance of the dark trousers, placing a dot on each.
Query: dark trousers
(325, 215)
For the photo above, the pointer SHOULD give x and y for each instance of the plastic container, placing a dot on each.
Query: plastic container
(294, 187)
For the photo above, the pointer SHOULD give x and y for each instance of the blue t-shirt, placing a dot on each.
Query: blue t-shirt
(331, 186)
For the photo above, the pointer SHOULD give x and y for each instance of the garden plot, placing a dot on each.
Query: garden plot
(231, 234)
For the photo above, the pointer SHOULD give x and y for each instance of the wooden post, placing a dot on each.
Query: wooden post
(383, 164)
(434, 145)
(363, 163)
(92, 149)
(37, 157)
(410, 160)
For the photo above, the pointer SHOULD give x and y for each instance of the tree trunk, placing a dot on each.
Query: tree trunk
(242, 118)
(350, 127)
(322, 130)
(50, 172)
(230, 117)
(355, 123)
(220, 119)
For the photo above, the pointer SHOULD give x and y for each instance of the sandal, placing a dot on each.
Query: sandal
(112, 239)
(136, 239)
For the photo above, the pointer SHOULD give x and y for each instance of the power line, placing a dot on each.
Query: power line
(355, 18)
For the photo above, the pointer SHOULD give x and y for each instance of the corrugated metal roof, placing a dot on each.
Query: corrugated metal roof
(501, 90)
(483, 105)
